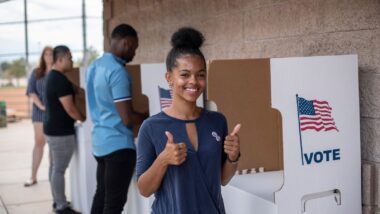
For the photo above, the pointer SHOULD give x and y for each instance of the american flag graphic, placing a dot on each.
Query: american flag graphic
(165, 97)
(315, 115)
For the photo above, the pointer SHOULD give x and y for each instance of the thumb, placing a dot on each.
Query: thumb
(170, 137)
(236, 130)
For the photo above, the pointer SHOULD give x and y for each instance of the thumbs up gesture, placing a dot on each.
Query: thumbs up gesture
(232, 144)
(174, 153)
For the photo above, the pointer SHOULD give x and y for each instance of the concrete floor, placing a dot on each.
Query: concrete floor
(16, 144)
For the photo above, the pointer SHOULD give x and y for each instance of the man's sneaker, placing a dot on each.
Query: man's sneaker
(67, 210)
(55, 205)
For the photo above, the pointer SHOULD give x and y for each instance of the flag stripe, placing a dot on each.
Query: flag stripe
(322, 110)
(319, 125)
(316, 118)
(319, 129)
(331, 128)
(322, 106)
(321, 102)
(316, 123)
(311, 127)
(325, 115)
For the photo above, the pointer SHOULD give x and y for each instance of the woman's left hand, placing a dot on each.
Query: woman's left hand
(232, 144)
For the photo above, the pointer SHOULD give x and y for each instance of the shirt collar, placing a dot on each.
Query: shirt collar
(118, 59)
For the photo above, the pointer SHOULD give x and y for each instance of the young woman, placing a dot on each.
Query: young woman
(184, 153)
(35, 92)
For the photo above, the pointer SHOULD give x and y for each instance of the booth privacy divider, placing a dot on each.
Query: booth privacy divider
(300, 136)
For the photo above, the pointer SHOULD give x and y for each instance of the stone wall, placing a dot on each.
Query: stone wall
(272, 28)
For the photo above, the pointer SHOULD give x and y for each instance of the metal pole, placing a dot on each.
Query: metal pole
(27, 49)
(299, 127)
(84, 29)
(26, 34)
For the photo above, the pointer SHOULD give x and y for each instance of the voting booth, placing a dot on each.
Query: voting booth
(82, 167)
(321, 156)
(83, 164)
(300, 142)
(301, 149)
(151, 94)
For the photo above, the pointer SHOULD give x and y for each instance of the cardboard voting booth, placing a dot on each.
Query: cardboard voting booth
(246, 98)
(83, 164)
(74, 76)
(150, 93)
(321, 156)
(301, 125)
(300, 143)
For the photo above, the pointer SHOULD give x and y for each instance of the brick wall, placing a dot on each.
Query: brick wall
(272, 28)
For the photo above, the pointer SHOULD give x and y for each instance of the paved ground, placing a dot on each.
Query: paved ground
(16, 143)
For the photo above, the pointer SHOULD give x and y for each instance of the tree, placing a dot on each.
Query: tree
(17, 69)
(4, 67)
(92, 54)
(4, 72)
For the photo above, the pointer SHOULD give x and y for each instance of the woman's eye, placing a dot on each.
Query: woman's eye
(201, 76)
(184, 75)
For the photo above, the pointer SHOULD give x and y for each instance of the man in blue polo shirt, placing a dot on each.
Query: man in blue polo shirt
(110, 101)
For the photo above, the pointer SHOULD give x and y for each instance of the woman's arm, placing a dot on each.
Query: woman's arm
(173, 154)
(36, 100)
(31, 91)
(228, 171)
(149, 182)
(232, 149)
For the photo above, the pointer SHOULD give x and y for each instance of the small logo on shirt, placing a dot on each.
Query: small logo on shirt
(214, 134)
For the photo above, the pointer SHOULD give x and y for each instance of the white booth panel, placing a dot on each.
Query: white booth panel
(236, 200)
(320, 165)
(321, 168)
(262, 184)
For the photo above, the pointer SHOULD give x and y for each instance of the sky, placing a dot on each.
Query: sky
(67, 32)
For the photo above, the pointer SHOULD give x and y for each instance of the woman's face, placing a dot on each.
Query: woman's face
(188, 78)
(48, 57)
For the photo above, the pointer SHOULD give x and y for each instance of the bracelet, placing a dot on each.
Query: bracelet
(235, 161)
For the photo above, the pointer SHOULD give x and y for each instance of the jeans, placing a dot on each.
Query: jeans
(61, 149)
(113, 175)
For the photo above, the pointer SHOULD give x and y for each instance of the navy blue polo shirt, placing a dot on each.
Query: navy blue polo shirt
(195, 185)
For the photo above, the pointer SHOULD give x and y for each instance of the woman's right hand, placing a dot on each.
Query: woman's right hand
(174, 153)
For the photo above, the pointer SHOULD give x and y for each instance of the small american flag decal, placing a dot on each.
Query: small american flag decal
(165, 97)
(315, 115)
